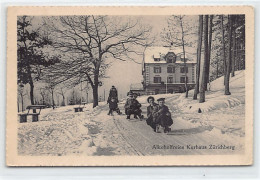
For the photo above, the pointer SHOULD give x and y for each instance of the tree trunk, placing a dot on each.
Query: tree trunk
(18, 104)
(217, 69)
(227, 75)
(96, 83)
(52, 98)
(223, 44)
(204, 80)
(63, 100)
(22, 101)
(185, 65)
(200, 33)
(238, 55)
(95, 95)
(31, 91)
(209, 49)
(233, 48)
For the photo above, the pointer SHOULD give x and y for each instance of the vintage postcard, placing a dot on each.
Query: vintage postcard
(130, 86)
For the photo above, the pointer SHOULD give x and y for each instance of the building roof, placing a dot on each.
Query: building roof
(137, 86)
(160, 52)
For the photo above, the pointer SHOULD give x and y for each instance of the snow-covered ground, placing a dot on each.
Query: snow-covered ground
(63, 132)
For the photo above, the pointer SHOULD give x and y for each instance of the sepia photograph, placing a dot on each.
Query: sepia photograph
(107, 85)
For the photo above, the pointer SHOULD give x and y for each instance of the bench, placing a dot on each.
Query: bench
(80, 109)
(34, 114)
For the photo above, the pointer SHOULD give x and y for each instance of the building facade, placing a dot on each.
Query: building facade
(164, 70)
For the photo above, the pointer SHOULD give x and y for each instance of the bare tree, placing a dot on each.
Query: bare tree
(43, 94)
(223, 44)
(91, 41)
(178, 33)
(50, 85)
(30, 57)
(209, 49)
(62, 92)
(200, 33)
(206, 60)
(233, 47)
(228, 63)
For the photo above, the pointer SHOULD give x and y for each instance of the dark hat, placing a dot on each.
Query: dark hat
(150, 97)
(113, 86)
(134, 94)
(130, 94)
(160, 99)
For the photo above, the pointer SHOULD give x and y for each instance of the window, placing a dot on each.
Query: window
(156, 59)
(157, 79)
(170, 69)
(183, 79)
(182, 70)
(171, 59)
(170, 79)
(157, 69)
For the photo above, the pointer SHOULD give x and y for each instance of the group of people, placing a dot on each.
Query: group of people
(132, 106)
(158, 115)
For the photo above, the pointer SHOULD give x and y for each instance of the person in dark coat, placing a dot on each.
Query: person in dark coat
(150, 110)
(128, 104)
(162, 115)
(137, 108)
(113, 106)
(132, 106)
(113, 93)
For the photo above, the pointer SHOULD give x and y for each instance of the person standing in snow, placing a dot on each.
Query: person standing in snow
(112, 93)
(150, 110)
(162, 116)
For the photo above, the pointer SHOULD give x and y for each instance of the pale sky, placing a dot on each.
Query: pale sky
(124, 73)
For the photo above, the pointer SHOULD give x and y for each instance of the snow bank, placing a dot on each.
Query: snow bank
(60, 131)
(215, 98)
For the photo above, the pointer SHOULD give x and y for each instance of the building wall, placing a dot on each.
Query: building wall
(149, 73)
(162, 89)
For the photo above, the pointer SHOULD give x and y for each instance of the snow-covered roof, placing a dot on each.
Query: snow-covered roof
(159, 52)
(137, 86)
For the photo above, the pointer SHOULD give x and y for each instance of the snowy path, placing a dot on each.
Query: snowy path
(93, 132)
(135, 137)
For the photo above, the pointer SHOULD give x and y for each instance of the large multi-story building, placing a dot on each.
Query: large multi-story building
(164, 70)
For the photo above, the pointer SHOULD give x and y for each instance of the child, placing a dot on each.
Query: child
(132, 106)
(150, 110)
(113, 106)
(129, 105)
(137, 108)
(162, 115)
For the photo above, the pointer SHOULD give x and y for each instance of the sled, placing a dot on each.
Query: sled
(160, 129)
